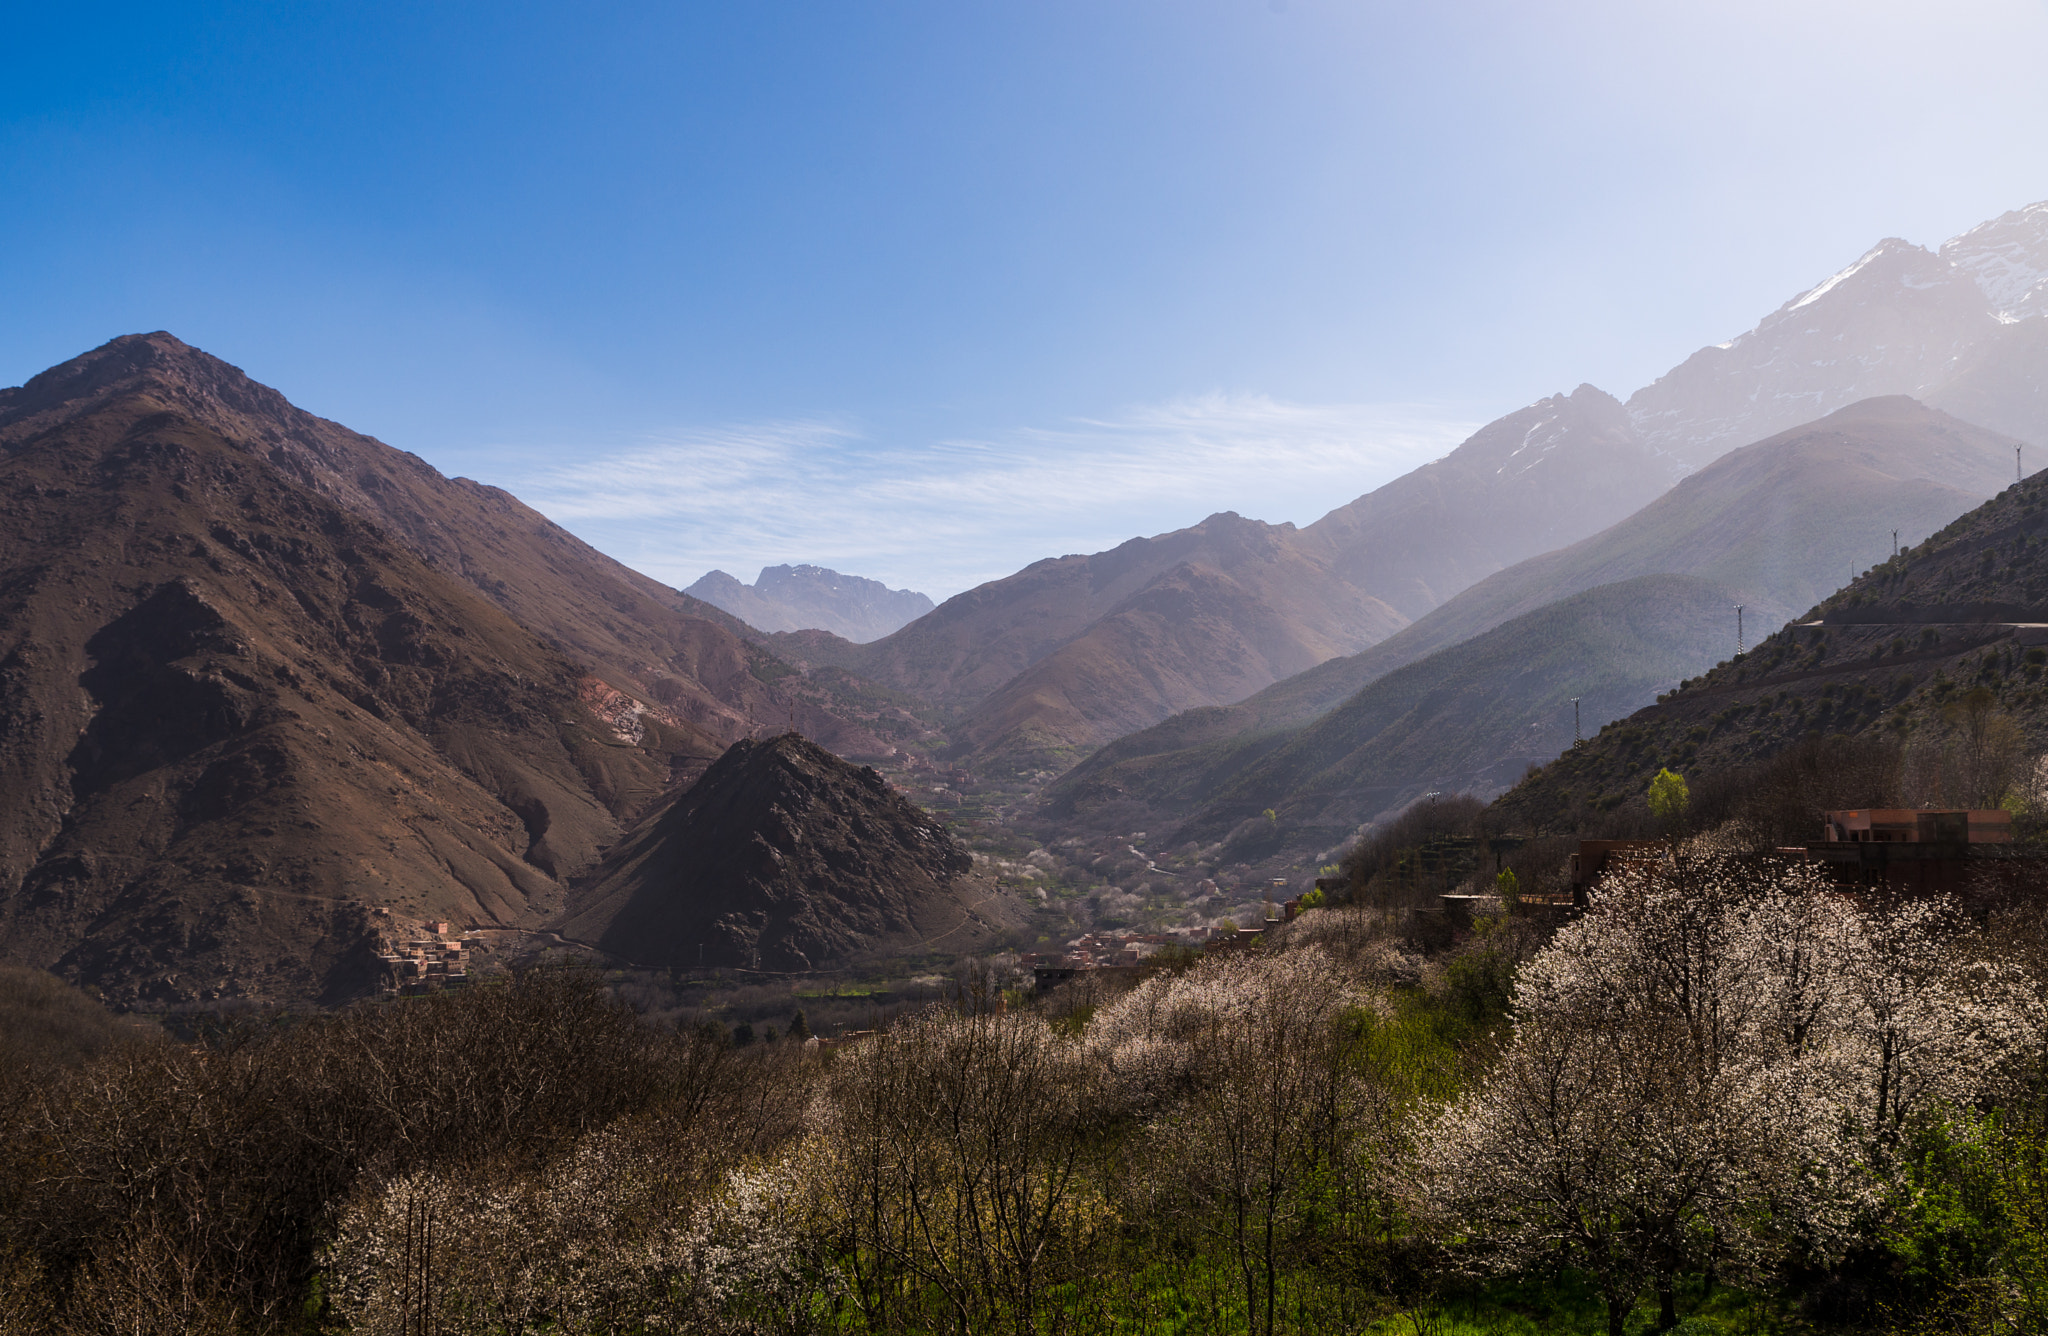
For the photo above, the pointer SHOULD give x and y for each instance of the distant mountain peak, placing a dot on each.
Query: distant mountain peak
(806, 597)
(1900, 319)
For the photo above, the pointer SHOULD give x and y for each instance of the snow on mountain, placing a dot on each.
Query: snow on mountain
(2008, 259)
(1900, 320)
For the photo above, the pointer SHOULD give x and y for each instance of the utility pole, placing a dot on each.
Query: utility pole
(1738, 629)
(2016, 475)
(1576, 736)
(1895, 542)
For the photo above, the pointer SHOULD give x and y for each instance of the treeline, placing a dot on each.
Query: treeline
(1723, 1093)
(1460, 844)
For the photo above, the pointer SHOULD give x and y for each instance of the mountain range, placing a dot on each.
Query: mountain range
(268, 685)
(1041, 668)
(1774, 526)
(796, 598)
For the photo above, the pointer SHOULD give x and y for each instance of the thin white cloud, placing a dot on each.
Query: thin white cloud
(944, 517)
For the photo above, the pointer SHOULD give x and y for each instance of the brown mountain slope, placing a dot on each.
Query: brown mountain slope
(236, 712)
(974, 643)
(643, 636)
(784, 858)
(235, 716)
(1193, 636)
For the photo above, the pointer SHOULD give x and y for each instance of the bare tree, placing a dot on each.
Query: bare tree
(954, 1146)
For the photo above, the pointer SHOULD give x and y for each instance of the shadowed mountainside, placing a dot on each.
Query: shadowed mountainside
(1888, 655)
(784, 858)
(1776, 525)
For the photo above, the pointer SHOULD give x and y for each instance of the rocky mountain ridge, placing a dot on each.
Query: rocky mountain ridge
(1953, 327)
(798, 598)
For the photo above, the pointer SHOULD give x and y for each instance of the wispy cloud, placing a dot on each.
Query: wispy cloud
(946, 516)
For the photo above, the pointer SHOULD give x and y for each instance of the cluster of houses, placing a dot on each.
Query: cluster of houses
(1111, 950)
(1099, 950)
(1902, 850)
(432, 957)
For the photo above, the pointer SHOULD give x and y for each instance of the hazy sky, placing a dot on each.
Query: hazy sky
(928, 290)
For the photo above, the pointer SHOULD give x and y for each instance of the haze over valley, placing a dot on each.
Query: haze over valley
(352, 691)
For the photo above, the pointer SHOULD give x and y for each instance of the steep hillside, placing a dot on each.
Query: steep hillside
(1777, 524)
(1469, 719)
(1887, 655)
(795, 598)
(784, 858)
(239, 711)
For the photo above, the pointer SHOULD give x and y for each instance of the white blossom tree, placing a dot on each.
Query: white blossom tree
(1237, 1069)
(600, 1243)
(1706, 1067)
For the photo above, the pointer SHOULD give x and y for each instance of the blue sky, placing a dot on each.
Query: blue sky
(928, 290)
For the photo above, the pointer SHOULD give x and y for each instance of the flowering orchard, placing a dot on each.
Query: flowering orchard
(1722, 1079)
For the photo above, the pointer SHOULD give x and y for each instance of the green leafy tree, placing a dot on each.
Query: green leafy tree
(1508, 888)
(1669, 796)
